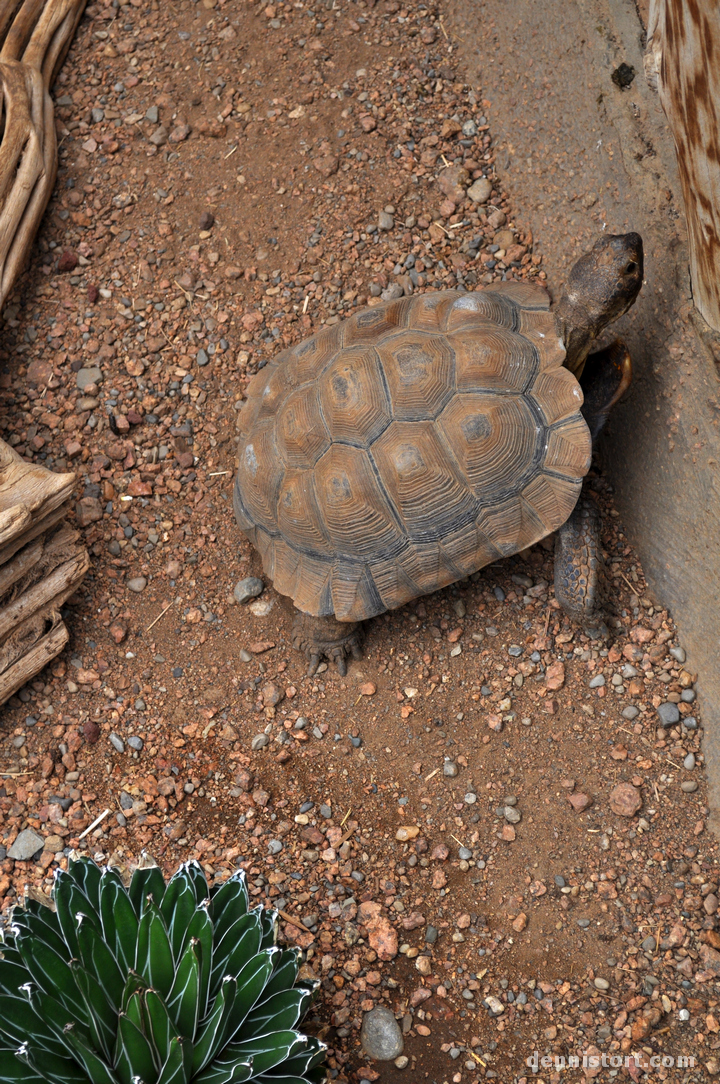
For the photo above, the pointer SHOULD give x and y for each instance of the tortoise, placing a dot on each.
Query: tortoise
(406, 447)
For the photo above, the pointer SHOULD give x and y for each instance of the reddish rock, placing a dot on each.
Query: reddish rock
(91, 731)
(39, 371)
(625, 800)
(710, 959)
(244, 779)
(68, 260)
(440, 852)
(118, 631)
(88, 510)
(439, 879)
(580, 801)
(207, 220)
(327, 165)
(368, 124)
(179, 133)
(92, 294)
(413, 921)
(453, 181)
(555, 676)
(382, 938)
(519, 923)
(368, 688)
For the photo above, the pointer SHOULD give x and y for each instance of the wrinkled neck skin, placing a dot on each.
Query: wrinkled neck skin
(578, 331)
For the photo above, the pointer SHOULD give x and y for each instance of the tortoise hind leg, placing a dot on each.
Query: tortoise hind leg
(325, 638)
(578, 564)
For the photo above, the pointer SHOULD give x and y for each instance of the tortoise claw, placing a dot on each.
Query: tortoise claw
(325, 638)
(314, 663)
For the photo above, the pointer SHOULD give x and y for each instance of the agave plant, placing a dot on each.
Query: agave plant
(151, 984)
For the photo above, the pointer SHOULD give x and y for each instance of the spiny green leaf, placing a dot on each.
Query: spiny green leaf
(201, 930)
(230, 901)
(237, 1073)
(176, 1069)
(154, 958)
(98, 1070)
(239, 945)
(99, 960)
(19, 1021)
(133, 1054)
(158, 1026)
(134, 1011)
(304, 1061)
(268, 922)
(250, 985)
(178, 907)
(183, 1001)
(281, 1011)
(27, 925)
(14, 1071)
(133, 983)
(212, 1034)
(267, 1051)
(119, 920)
(71, 901)
(50, 1067)
(12, 976)
(199, 881)
(102, 1017)
(86, 875)
(147, 881)
(53, 975)
(285, 971)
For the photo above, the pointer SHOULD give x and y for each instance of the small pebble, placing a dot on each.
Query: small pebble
(512, 816)
(135, 743)
(117, 743)
(597, 682)
(689, 786)
(385, 221)
(275, 846)
(669, 714)
(684, 1015)
(259, 742)
(687, 696)
(380, 1034)
(689, 762)
(300, 723)
(248, 588)
(630, 712)
(137, 584)
(678, 653)
(601, 984)
(465, 854)
(402, 1062)
(450, 768)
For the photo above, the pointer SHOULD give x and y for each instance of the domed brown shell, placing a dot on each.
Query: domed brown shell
(408, 446)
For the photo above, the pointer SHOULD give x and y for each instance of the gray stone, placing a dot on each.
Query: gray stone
(601, 984)
(450, 768)
(244, 655)
(202, 358)
(26, 845)
(275, 846)
(385, 221)
(137, 584)
(597, 682)
(259, 742)
(153, 114)
(126, 801)
(135, 743)
(689, 786)
(669, 714)
(326, 812)
(690, 723)
(512, 816)
(117, 743)
(689, 762)
(98, 115)
(300, 724)
(687, 696)
(464, 854)
(630, 712)
(88, 376)
(479, 192)
(248, 588)
(159, 136)
(380, 1035)
(678, 653)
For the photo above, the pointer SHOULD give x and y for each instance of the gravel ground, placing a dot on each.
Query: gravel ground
(493, 827)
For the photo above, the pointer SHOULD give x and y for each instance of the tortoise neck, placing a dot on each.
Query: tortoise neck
(577, 329)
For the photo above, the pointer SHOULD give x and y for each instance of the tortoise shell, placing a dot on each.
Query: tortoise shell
(408, 446)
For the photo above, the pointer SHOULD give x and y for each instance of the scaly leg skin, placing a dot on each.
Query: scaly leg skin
(325, 638)
(578, 565)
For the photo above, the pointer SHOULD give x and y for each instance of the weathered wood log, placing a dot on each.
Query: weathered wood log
(35, 36)
(31, 648)
(683, 60)
(46, 595)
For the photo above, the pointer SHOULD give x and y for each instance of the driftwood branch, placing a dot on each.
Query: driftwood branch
(683, 62)
(34, 37)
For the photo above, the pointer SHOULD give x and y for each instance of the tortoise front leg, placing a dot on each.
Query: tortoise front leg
(325, 638)
(578, 564)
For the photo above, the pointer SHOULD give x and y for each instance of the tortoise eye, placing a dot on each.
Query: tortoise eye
(630, 268)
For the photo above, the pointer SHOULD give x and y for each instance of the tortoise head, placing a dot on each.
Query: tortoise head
(602, 285)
